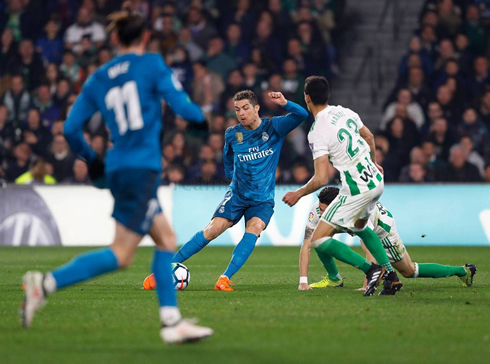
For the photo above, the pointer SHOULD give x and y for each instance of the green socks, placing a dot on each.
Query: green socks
(433, 270)
(332, 248)
(373, 244)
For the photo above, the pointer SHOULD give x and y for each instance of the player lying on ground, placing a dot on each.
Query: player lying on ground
(250, 156)
(128, 92)
(382, 222)
(339, 135)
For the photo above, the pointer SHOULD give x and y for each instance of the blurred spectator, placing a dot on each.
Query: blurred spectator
(85, 25)
(178, 60)
(167, 36)
(207, 86)
(446, 53)
(449, 105)
(181, 148)
(44, 103)
(209, 174)
(314, 48)
(442, 138)
(175, 174)
(80, 174)
(8, 51)
(19, 164)
(235, 47)
(401, 140)
(52, 76)
(61, 158)
(480, 78)
(270, 47)
(304, 62)
(471, 155)
(465, 57)
(264, 65)
(36, 135)
(51, 45)
(473, 127)
(234, 84)
(484, 108)
(421, 93)
(216, 141)
(63, 92)
(28, 64)
(19, 17)
(417, 159)
(69, 68)
(292, 81)
(487, 173)
(449, 16)
(414, 109)
(194, 50)
(301, 174)
(38, 173)
(458, 169)
(475, 30)
(415, 173)
(250, 77)
(218, 61)
(202, 30)
(17, 100)
(7, 132)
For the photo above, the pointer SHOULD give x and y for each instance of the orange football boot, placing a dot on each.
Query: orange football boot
(224, 284)
(150, 282)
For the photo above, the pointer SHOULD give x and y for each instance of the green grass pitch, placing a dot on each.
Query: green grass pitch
(266, 320)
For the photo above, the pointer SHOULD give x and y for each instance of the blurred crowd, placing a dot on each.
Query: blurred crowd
(436, 122)
(215, 47)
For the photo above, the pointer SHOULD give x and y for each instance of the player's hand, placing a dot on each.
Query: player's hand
(278, 98)
(380, 168)
(291, 198)
(304, 287)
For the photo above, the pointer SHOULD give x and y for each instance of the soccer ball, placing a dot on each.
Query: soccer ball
(181, 276)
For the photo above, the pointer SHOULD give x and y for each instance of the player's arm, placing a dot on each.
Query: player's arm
(81, 112)
(297, 114)
(304, 259)
(170, 89)
(369, 138)
(319, 179)
(228, 159)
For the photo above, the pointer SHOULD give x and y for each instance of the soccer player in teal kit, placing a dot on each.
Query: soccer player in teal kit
(250, 156)
(127, 91)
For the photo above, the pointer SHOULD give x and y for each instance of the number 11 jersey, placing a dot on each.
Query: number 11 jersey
(128, 91)
(335, 133)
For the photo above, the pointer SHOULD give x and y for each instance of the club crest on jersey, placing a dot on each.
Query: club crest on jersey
(239, 137)
(312, 215)
(265, 136)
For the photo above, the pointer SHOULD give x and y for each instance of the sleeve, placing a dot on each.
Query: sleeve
(228, 159)
(81, 112)
(358, 120)
(313, 218)
(318, 145)
(171, 90)
(284, 124)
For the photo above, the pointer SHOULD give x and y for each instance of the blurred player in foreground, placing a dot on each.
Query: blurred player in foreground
(339, 136)
(382, 222)
(251, 154)
(128, 91)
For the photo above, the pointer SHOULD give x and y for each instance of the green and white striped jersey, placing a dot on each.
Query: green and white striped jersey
(335, 133)
(381, 221)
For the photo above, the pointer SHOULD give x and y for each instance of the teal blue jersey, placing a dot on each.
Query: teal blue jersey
(251, 156)
(128, 91)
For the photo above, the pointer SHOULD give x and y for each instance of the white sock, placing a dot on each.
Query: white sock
(170, 315)
(49, 283)
(339, 276)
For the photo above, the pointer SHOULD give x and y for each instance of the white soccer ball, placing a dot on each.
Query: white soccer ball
(181, 276)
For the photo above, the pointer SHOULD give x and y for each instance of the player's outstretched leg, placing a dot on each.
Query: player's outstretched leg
(432, 270)
(83, 267)
(201, 239)
(242, 251)
(240, 255)
(175, 329)
(332, 278)
(391, 283)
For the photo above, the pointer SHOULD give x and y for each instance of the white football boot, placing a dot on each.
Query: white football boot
(184, 331)
(34, 298)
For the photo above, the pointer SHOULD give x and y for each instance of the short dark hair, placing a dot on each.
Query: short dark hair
(129, 25)
(328, 194)
(246, 95)
(318, 89)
